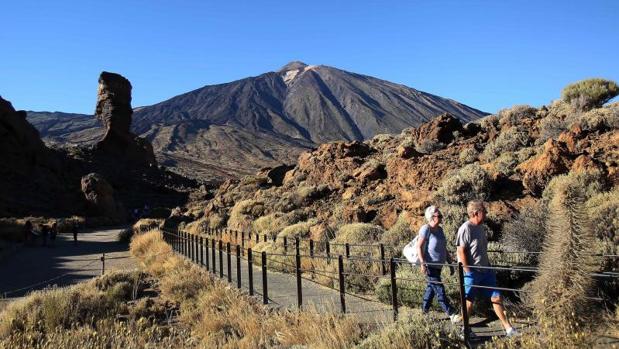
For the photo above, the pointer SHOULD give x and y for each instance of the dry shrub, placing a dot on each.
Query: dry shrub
(182, 280)
(602, 119)
(416, 330)
(562, 288)
(515, 115)
(358, 233)
(243, 213)
(105, 333)
(146, 224)
(273, 223)
(78, 305)
(524, 232)
(428, 146)
(398, 235)
(509, 140)
(603, 209)
(299, 230)
(469, 183)
(152, 252)
(468, 156)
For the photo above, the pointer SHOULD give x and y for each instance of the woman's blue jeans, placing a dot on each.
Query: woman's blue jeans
(435, 287)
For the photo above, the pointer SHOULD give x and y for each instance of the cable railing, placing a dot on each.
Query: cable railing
(341, 270)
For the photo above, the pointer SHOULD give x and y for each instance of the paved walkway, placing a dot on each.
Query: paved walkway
(282, 292)
(67, 262)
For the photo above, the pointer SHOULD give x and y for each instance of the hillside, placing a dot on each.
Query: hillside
(233, 129)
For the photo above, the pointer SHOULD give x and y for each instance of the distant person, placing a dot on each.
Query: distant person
(472, 249)
(44, 234)
(146, 211)
(27, 232)
(53, 233)
(75, 230)
(432, 248)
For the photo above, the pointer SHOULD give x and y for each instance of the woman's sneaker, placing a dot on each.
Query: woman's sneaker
(511, 332)
(455, 318)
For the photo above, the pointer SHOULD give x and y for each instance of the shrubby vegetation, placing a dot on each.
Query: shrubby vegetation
(428, 146)
(469, 183)
(508, 141)
(591, 93)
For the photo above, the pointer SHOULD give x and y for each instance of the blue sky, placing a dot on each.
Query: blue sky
(487, 54)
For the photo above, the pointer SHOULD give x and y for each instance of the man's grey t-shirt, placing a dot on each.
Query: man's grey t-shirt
(473, 238)
(436, 248)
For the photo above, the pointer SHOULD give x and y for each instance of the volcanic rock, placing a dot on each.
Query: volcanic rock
(114, 111)
(536, 172)
(100, 196)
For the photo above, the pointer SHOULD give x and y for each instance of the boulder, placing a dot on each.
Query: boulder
(439, 129)
(536, 172)
(100, 197)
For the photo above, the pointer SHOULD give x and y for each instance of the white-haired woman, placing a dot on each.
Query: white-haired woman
(432, 249)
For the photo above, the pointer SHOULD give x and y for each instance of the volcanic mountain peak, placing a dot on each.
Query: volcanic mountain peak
(294, 65)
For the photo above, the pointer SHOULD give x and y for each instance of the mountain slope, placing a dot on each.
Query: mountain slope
(235, 128)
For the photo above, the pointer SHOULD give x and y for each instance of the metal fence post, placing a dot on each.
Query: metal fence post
(206, 254)
(265, 237)
(297, 247)
(229, 260)
(214, 257)
(257, 238)
(285, 244)
(383, 267)
(311, 247)
(298, 272)
(347, 245)
(221, 259)
(201, 251)
(394, 290)
(243, 240)
(250, 271)
(340, 271)
(103, 264)
(328, 251)
(265, 291)
(465, 315)
(238, 266)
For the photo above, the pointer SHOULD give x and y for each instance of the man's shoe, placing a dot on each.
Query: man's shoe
(455, 318)
(511, 332)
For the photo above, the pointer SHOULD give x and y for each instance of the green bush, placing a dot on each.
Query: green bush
(469, 183)
(509, 140)
(590, 93)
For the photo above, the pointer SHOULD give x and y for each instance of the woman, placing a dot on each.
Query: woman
(432, 248)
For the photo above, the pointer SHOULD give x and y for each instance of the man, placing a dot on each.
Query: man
(472, 250)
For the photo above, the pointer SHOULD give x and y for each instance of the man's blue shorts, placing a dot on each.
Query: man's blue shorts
(480, 278)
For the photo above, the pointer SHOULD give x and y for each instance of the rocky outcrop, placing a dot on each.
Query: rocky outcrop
(555, 159)
(114, 111)
(20, 144)
(100, 197)
(439, 129)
